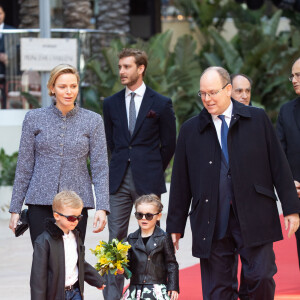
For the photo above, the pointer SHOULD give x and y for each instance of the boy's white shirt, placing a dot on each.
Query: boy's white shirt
(71, 258)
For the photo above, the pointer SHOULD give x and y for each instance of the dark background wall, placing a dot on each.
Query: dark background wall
(11, 8)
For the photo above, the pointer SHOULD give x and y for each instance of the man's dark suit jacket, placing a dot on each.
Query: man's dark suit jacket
(2, 48)
(288, 130)
(257, 164)
(149, 149)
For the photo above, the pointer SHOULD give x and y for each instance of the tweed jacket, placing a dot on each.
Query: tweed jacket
(53, 157)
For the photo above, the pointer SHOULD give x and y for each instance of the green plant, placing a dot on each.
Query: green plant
(32, 100)
(8, 164)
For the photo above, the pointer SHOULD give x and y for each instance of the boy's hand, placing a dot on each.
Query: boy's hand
(173, 295)
(102, 287)
(120, 271)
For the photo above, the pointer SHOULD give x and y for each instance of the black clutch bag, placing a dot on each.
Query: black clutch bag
(22, 224)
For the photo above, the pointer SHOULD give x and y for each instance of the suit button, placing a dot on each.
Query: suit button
(206, 200)
(210, 162)
(204, 239)
(130, 147)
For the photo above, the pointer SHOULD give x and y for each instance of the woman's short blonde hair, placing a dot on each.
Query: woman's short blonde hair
(57, 71)
(66, 199)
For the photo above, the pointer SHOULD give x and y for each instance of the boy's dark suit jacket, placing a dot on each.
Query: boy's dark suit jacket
(288, 130)
(149, 149)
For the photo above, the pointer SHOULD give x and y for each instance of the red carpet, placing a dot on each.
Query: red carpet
(287, 278)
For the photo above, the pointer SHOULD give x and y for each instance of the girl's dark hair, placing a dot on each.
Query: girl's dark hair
(150, 199)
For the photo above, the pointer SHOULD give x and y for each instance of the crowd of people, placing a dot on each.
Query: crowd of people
(228, 160)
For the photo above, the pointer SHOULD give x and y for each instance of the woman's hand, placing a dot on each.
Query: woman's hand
(14, 218)
(99, 220)
(173, 295)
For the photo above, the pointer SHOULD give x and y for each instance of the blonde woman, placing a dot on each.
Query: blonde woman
(55, 145)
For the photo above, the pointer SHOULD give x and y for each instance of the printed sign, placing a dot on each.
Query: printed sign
(41, 54)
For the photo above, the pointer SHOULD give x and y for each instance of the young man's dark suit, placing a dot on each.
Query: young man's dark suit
(257, 162)
(288, 130)
(144, 155)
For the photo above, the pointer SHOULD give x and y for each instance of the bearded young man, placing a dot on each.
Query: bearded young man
(141, 137)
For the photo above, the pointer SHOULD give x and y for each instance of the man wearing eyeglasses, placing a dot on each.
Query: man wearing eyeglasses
(241, 88)
(227, 162)
(288, 130)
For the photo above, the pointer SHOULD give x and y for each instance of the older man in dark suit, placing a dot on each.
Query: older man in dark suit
(288, 130)
(141, 136)
(227, 161)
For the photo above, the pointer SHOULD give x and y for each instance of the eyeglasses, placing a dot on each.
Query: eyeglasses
(71, 218)
(148, 216)
(212, 94)
(296, 75)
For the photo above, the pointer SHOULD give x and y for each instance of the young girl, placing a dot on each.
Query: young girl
(151, 257)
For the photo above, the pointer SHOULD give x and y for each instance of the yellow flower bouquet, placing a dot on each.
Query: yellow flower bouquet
(112, 256)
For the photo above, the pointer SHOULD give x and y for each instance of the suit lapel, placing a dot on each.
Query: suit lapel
(144, 109)
(297, 113)
(123, 114)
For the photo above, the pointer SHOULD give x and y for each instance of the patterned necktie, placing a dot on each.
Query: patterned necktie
(132, 114)
(224, 133)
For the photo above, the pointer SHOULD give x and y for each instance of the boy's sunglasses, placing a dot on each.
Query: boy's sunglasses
(148, 216)
(71, 218)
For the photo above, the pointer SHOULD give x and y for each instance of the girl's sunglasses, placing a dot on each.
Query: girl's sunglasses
(71, 218)
(148, 216)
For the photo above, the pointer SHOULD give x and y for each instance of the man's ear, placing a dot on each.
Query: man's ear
(228, 89)
(141, 69)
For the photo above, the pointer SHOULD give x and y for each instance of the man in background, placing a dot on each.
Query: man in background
(288, 130)
(141, 137)
(241, 88)
(3, 57)
(241, 92)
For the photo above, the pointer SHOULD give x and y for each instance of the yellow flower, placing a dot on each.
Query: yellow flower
(103, 260)
(119, 266)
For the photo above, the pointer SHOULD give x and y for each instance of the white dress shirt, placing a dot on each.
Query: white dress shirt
(218, 122)
(71, 258)
(139, 94)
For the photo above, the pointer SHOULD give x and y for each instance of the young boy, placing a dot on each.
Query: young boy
(58, 268)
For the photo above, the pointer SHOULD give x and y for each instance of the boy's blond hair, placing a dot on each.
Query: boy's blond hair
(66, 199)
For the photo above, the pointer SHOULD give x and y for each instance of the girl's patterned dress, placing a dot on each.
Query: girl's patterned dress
(146, 291)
